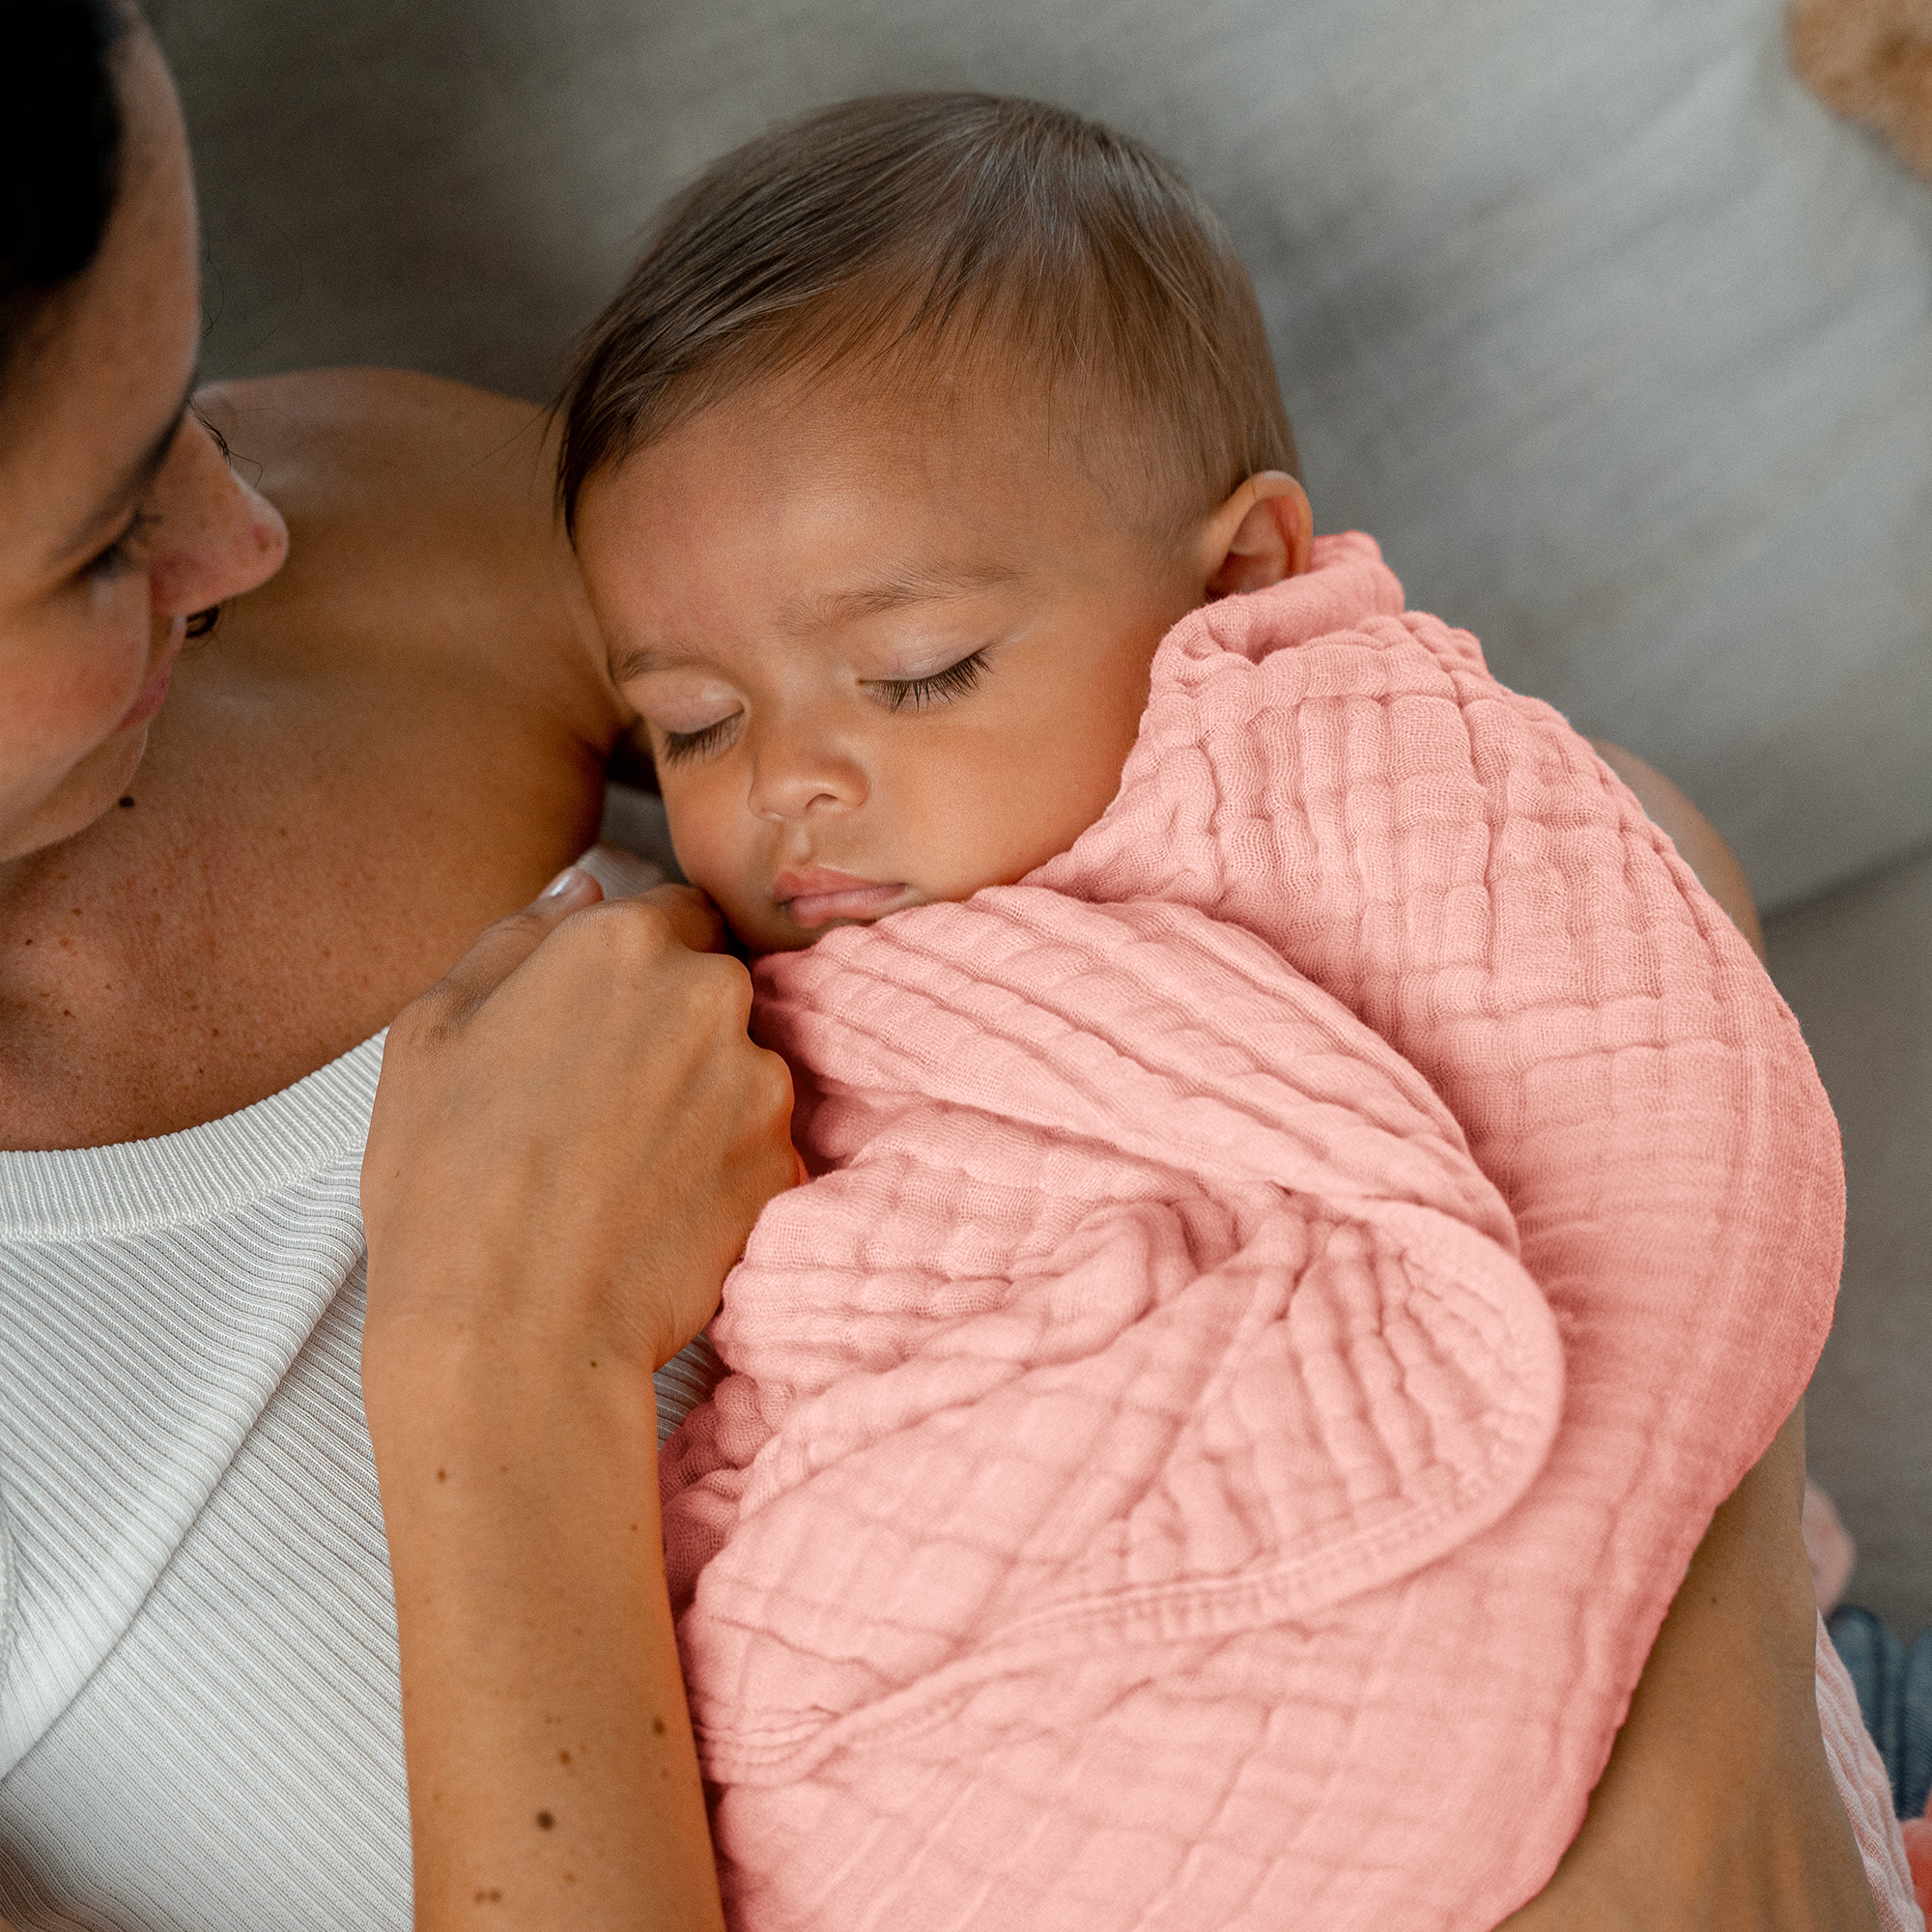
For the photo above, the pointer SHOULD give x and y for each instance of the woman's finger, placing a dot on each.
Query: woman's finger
(505, 946)
(572, 1082)
(694, 920)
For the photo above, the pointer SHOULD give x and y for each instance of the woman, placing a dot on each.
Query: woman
(208, 909)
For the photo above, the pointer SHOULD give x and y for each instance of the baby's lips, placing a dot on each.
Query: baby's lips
(804, 1173)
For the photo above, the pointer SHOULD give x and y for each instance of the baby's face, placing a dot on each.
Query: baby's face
(886, 655)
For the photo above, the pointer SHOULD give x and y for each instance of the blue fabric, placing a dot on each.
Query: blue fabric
(1895, 1687)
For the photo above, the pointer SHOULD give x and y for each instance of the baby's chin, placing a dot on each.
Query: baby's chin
(781, 935)
(771, 930)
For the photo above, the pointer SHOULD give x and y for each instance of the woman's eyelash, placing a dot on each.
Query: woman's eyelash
(681, 747)
(119, 555)
(954, 681)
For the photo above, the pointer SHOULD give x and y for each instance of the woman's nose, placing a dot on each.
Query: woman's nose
(216, 537)
(800, 772)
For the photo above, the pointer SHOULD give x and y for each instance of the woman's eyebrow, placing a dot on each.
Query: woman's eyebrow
(137, 479)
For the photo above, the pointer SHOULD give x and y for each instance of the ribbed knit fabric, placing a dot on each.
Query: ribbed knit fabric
(199, 1718)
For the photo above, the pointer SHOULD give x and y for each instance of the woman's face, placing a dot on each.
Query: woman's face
(118, 517)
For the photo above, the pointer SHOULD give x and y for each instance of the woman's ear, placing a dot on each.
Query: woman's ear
(1259, 535)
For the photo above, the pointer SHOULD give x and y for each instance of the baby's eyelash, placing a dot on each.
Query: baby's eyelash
(683, 748)
(954, 681)
(119, 555)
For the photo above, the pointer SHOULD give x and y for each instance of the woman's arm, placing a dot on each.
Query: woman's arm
(1718, 1811)
(572, 1137)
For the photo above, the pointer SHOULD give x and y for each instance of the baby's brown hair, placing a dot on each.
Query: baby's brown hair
(900, 223)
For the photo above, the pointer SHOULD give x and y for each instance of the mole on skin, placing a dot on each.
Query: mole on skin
(545, 1821)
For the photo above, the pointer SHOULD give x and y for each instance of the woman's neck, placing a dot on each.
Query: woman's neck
(300, 861)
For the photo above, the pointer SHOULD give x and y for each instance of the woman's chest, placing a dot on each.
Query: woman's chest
(288, 870)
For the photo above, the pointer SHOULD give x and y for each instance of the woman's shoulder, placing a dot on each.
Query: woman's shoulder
(421, 519)
(323, 426)
(391, 742)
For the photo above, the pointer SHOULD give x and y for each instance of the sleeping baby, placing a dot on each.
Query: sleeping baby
(1313, 1207)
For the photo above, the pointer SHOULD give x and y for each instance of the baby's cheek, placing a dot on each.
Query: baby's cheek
(710, 857)
(688, 825)
(1079, 786)
(1003, 832)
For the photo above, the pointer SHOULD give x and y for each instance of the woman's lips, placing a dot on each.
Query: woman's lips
(814, 898)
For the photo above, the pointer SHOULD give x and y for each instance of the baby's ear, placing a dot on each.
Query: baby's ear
(1261, 534)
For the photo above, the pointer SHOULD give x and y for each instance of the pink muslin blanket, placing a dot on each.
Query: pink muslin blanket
(1285, 1287)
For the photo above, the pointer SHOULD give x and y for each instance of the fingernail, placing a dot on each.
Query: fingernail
(571, 879)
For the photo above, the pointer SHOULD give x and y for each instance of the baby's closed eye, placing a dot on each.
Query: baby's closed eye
(936, 688)
(683, 748)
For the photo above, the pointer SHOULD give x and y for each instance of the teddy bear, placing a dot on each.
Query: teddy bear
(1871, 60)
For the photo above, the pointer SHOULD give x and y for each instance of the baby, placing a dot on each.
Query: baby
(1300, 1160)
(887, 505)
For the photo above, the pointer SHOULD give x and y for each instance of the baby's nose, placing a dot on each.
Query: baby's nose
(800, 776)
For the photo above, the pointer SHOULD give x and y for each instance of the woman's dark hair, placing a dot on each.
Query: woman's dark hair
(60, 151)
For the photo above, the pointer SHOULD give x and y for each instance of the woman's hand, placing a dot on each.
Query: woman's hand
(1718, 1811)
(572, 1137)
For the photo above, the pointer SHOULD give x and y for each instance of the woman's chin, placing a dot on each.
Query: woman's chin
(91, 788)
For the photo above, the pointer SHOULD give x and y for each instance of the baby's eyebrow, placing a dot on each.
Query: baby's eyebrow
(821, 609)
(918, 583)
(641, 660)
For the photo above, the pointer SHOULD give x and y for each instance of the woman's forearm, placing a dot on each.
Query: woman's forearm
(553, 1779)
(571, 1140)
(1718, 1811)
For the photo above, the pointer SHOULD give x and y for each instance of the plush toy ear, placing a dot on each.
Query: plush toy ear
(1871, 61)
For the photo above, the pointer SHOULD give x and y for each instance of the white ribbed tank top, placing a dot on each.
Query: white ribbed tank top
(200, 1727)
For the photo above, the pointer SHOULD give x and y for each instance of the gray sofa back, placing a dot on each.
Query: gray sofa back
(1612, 336)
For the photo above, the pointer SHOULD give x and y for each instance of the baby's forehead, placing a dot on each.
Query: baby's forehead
(990, 460)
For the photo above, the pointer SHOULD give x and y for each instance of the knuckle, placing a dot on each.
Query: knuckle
(420, 1024)
(638, 933)
(679, 901)
(520, 923)
(721, 987)
(772, 1091)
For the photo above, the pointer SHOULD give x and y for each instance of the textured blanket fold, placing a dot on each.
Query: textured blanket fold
(1285, 1287)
